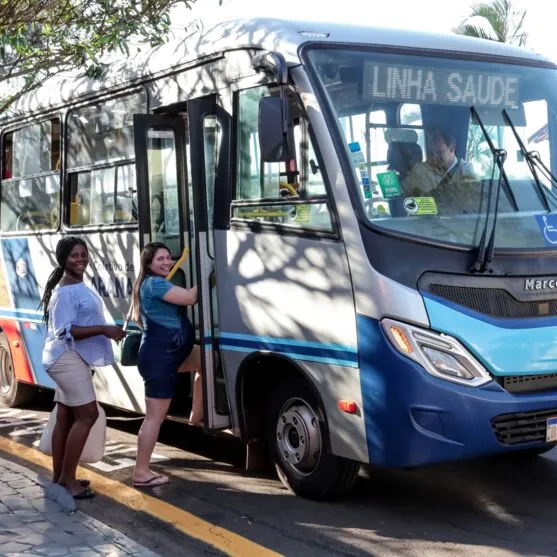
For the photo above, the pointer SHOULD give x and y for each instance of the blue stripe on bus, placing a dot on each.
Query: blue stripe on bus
(311, 351)
(22, 314)
(505, 350)
(35, 312)
(321, 352)
(36, 317)
(293, 342)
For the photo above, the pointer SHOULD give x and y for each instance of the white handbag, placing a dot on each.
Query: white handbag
(94, 446)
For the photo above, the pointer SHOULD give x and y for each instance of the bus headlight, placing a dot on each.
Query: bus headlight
(440, 355)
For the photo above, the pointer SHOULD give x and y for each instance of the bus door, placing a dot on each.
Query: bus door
(170, 211)
(209, 134)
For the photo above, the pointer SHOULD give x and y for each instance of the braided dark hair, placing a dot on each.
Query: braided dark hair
(63, 249)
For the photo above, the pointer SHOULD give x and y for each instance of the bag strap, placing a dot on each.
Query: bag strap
(127, 321)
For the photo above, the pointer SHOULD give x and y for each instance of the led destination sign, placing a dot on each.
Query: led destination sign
(439, 86)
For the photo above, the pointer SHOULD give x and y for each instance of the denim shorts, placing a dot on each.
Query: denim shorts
(161, 353)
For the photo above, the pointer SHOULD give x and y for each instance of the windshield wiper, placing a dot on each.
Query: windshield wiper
(485, 254)
(535, 161)
(529, 160)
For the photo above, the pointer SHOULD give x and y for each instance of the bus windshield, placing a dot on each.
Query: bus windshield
(422, 163)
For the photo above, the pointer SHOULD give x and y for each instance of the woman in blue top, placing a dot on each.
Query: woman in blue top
(77, 339)
(167, 340)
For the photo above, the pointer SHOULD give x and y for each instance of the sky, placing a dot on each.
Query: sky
(425, 15)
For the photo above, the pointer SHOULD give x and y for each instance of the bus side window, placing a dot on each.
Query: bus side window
(300, 178)
(30, 195)
(100, 162)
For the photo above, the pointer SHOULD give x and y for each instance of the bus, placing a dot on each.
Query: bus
(343, 317)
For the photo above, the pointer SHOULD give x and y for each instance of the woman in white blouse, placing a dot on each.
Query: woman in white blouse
(77, 338)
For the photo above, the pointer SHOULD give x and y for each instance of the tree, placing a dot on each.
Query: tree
(496, 21)
(40, 38)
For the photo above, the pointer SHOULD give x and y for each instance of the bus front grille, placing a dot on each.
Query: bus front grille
(523, 427)
(529, 383)
(493, 301)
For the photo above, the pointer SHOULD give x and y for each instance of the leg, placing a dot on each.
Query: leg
(64, 422)
(196, 415)
(84, 418)
(193, 363)
(156, 409)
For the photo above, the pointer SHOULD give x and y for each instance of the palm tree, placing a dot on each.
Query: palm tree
(496, 21)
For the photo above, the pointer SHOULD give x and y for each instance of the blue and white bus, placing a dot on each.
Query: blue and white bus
(344, 316)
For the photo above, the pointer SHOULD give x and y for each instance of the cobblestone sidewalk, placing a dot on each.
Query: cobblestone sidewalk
(38, 518)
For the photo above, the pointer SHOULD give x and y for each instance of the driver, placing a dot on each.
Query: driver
(441, 165)
(450, 180)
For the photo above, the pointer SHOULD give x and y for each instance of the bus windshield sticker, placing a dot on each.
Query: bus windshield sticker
(300, 214)
(548, 227)
(366, 184)
(439, 86)
(356, 155)
(389, 184)
(420, 206)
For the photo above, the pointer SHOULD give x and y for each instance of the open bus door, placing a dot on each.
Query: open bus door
(173, 210)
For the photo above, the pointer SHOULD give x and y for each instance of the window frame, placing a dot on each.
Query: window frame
(66, 197)
(12, 128)
(276, 227)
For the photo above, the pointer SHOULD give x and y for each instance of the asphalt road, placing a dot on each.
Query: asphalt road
(496, 507)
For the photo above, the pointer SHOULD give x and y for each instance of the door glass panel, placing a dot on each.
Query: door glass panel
(193, 311)
(163, 182)
(211, 146)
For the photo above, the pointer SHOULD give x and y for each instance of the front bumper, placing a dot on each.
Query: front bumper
(413, 418)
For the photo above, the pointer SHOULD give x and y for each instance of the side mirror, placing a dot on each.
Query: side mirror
(276, 136)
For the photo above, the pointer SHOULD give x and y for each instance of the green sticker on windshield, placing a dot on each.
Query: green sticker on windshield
(420, 206)
(389, 184)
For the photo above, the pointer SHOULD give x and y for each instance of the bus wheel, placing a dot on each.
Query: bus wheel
(12, 392)
(298, 446)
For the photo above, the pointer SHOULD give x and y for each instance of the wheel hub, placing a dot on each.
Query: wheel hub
(299, 437)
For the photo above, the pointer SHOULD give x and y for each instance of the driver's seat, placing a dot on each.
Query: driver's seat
(402, 156)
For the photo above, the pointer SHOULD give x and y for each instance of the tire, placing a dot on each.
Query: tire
(13, 393)
(298, 448)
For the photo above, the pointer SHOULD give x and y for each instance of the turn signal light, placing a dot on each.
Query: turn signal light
(400, 338)
(348, 406)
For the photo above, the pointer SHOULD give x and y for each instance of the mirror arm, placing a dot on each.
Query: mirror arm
(273, 63)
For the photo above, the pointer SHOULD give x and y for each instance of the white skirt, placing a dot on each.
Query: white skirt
(73, 378)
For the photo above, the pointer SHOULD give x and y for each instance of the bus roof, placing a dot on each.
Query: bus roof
(281, 35)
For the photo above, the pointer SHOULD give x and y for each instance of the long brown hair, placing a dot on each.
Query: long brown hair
(63, 249)
(147, 255)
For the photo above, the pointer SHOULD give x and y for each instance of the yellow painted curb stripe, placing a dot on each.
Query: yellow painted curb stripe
(191, 525)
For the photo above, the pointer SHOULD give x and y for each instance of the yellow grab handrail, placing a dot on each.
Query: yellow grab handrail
(178, 263)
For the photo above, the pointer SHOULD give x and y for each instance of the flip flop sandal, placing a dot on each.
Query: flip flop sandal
(155, 481)
(85, 494)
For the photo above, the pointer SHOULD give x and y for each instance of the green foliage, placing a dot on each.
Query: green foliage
(499, 22)
(39, 38)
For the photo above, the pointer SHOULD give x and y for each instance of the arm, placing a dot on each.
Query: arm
(111, 331)
(181, 296)
(63, 315)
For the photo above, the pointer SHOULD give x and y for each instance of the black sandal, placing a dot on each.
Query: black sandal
(85, 494)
